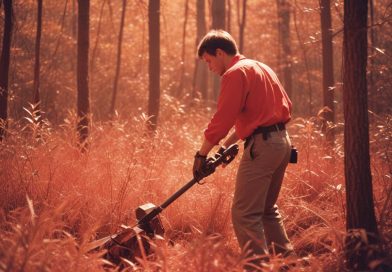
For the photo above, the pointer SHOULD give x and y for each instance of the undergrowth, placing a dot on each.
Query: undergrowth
(55, 200)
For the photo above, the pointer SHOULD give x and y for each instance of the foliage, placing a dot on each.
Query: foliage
(55, 200)
(58, 54)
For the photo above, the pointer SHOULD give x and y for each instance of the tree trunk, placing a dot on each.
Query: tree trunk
(218, 22)
(36, 91)
(82, 70)
(361, 221)
(182, 73)
(52, 64)
(284, 37)
(4, 66)
(200, 74)
(154, 62)
(74, 19)
(95, 48)
(218, 14)
(372, 72)
(228, 16)
(241, 23)
(328, 78)
(118, 66)
(306, 63)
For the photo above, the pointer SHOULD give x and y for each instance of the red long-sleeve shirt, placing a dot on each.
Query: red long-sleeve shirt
(250, 96)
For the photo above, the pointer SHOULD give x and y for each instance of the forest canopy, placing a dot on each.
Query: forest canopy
(103, 105)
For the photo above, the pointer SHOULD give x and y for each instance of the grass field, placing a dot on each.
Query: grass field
(55, 199)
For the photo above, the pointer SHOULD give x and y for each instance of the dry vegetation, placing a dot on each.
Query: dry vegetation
(55, 200)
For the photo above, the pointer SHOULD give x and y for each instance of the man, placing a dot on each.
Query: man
(253, 100)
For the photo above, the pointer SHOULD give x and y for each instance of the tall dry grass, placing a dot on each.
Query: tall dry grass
(55, 200)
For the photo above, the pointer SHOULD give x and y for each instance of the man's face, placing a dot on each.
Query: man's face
(215, 63)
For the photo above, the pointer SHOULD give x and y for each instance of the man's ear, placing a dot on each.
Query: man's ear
(219, 52)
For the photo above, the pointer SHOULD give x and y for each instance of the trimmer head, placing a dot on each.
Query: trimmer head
(128, 244)
(133, 242)
(153, 227)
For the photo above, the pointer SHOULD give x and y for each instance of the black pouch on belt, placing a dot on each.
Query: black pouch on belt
(293, 155)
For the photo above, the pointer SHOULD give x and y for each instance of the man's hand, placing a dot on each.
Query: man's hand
(220, 153)
(220, 150)
(199, 165)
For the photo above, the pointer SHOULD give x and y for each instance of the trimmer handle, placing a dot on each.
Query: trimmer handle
(226, 157)
(212, 163)
(229, 156)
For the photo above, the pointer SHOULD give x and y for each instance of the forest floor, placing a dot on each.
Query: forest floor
(55, 200)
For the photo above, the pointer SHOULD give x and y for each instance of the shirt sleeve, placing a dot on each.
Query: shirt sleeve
(230, 103)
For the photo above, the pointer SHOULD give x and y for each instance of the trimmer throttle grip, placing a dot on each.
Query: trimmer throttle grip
(226, 156)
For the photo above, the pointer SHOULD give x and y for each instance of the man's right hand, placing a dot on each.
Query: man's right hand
(199, 165)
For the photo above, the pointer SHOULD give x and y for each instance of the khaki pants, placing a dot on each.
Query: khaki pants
(256, 219)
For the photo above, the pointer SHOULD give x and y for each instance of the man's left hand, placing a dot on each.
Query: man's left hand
(220, 153)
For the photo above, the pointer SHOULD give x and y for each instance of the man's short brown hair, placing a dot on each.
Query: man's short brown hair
(215, 39)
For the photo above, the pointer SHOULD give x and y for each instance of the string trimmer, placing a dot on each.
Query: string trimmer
(133, 242)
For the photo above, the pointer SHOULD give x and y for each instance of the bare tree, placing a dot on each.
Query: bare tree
(200, 73)
(118, 65)
(218, 14)
(4, 66)
(73, 19)
(82, 70)
(241, 23)
(95, 48)
(228, 16)
(372, 89)
(304, 50)
(284, 8)
(154, 62)
(36, 90)
(182, 73)
(218, 22)
(361, 221)
(328, 78)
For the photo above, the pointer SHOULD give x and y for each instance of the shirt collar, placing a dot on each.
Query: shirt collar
(236, 58)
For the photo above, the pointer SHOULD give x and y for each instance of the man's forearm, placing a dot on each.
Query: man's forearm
(233, 138)
(207, 146)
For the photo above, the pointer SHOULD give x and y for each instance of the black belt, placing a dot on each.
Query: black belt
(266, 133)
(267, 130)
